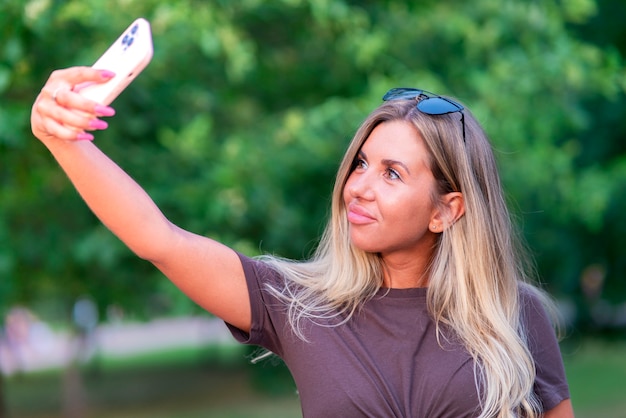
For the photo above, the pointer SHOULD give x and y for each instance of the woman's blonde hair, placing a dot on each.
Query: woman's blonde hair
(476, 271)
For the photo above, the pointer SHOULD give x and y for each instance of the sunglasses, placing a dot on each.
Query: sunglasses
(429, 103)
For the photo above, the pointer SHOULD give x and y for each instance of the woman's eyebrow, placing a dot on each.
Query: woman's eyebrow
(396, 162)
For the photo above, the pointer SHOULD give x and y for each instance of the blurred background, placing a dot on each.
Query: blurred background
(236, 129)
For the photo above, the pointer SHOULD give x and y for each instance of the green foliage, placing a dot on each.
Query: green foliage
(237, 126)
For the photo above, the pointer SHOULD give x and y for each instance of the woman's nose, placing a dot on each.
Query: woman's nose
(360, 186)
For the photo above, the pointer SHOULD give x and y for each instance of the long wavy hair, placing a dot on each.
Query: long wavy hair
(475, 275)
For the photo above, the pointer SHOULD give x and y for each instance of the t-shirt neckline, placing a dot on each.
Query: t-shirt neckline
(411, 292)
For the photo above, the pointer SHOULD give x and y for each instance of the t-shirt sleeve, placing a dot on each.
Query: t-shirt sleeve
(550, 383)
(268, 313)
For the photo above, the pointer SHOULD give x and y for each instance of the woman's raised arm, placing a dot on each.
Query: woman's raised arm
(207, 271)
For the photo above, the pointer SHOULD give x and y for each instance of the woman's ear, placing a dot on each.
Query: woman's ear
(452, 207)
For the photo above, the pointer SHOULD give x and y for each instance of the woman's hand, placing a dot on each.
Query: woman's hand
(62, 113)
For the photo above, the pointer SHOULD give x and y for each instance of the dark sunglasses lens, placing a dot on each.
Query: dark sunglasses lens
(401, 94)
(438, 106)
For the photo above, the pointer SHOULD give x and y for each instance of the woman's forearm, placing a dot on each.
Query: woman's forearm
(114, 197)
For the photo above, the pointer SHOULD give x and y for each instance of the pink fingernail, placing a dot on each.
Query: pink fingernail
(107, 74)
(102, 110)
(98, 124)
(84, 136)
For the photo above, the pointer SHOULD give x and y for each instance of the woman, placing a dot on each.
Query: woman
(415, 303)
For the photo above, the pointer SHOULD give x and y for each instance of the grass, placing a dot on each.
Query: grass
(220, 382)
(596, 371)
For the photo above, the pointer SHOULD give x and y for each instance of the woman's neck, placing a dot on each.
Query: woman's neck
(402, 272)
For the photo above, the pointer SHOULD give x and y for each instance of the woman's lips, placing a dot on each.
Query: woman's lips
(358, 215)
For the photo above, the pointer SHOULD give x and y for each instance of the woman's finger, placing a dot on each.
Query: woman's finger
(52, 128)
(70, 99)
(74, 76)
(61, 112)
(63, 85)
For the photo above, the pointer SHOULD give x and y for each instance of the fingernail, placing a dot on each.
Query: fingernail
(98, 124)
(102, 110)
(107, 74)
(84, 136)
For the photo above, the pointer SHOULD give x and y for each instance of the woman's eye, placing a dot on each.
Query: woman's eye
(359, 163)
(392, 174)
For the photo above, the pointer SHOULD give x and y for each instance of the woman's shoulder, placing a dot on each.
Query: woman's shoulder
(263, 268)
(535, 301)
(539, 315)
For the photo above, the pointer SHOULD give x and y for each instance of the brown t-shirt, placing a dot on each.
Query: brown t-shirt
(386, 361)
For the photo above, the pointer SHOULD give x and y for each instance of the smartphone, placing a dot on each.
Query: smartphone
(126, 57)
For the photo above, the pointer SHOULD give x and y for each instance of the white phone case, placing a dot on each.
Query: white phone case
(126, 57)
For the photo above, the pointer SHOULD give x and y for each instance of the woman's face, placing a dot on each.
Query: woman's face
(388, 195)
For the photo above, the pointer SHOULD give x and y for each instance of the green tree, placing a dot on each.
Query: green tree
(237, 126)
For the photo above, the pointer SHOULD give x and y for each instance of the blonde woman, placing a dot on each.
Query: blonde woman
(415, 304)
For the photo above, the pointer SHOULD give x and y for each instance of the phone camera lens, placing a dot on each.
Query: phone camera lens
(134, 29)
